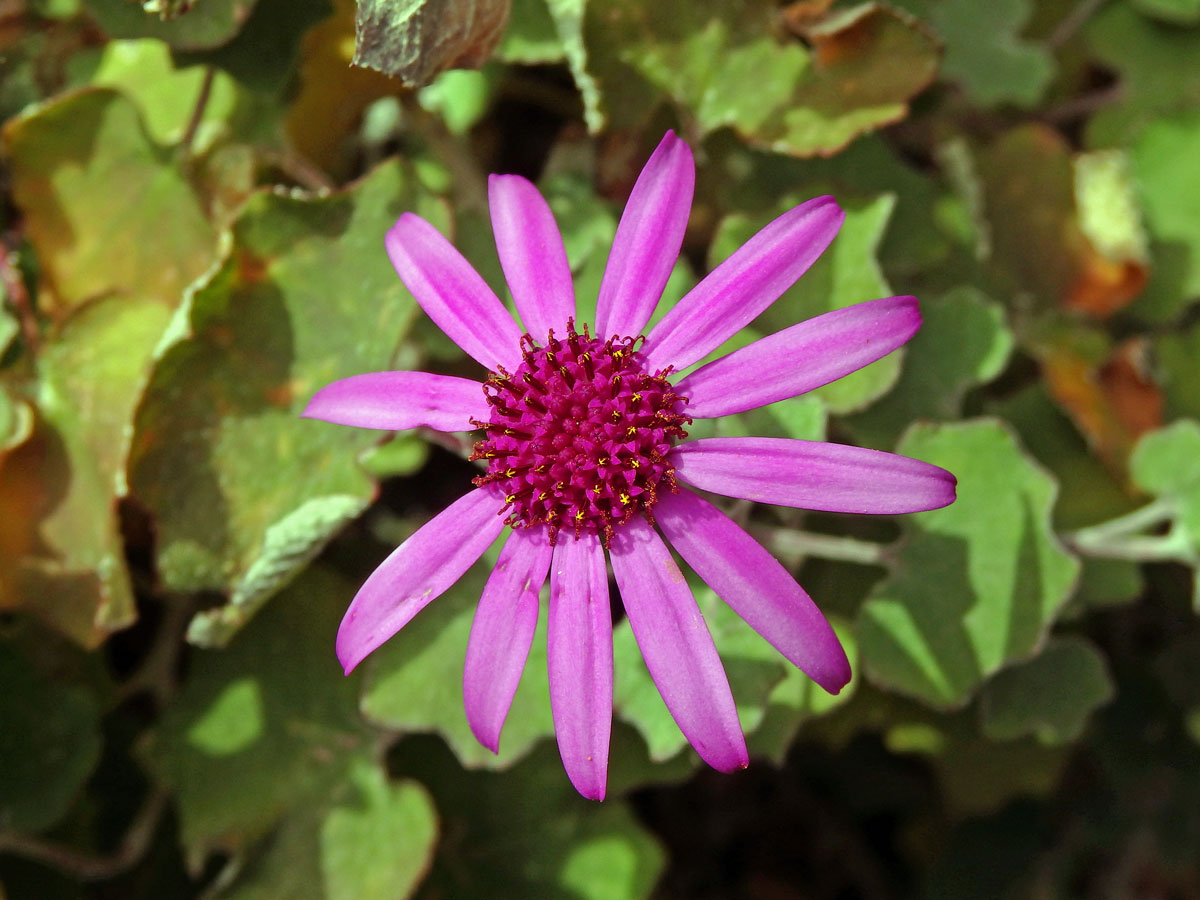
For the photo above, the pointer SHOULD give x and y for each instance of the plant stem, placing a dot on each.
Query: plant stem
(795, 544)
(1124, 537)
(189, 135)
(1148, 516)
(87, 866)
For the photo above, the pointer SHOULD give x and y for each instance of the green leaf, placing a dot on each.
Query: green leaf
(460, 97)
(1089, 492)
(67, 156)
(371, 840)
(166, 96)
(979, 776)
(588, 225)
(414, 40)
(265, 726)
(568, 18)
(404, 454)
(49, 745)
(1176, 12)
(531, 37)
(1178, 363)
(869, 62)
(977, 583)
(211, 25)
(801, 418)
(986, 54)
(1050, 696)
(1167, 463)
(1170, 193)
(1108, 582)
(288, 545)
(1157, 69)
(846, 273)
(414, 681)
(305, 296)
(526, 833)
(262, 55)
(63, 558)
(964, 341)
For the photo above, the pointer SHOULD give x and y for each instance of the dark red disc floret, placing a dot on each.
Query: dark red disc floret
(579, 434)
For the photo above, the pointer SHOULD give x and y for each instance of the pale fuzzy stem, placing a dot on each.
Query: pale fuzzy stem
(793, 544)
(1148, 516)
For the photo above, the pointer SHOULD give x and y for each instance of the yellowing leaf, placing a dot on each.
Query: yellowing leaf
(106, 209)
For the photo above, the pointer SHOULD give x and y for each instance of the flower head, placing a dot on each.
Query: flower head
(584, 446)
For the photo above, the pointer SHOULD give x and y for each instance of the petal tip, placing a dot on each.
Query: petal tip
(823, 200)
(836, 679)
(593, 792)
(352, 646)
(591, 782)
(945, 491)
(485, 737)
(912, 306)
(738, 758)
(828, 210)
(348, 660)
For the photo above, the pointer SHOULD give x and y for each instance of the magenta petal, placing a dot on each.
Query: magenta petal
(579, 658)
(531, 254)
(676, 645)
(741, 287)
(755, 585)
(395, 401)
(452, 293)
(814, 475)
(648, 239)
(800, 358)
(502, 633)
(416, 572)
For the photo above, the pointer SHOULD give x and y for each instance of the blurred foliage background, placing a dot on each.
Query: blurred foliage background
(194, 196)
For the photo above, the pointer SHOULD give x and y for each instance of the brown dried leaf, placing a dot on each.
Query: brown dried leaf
(1112, 401)
(414, 40)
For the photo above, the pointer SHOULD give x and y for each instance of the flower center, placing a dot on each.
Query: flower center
(579, 434)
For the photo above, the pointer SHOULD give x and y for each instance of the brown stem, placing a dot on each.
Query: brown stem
(470, 183)
(157, 674)
(1074, 20)
(87, 866)
(1084, 104)
(189, 135)
(301, 171)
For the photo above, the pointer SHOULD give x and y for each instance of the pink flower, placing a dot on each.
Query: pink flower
(583, 439)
